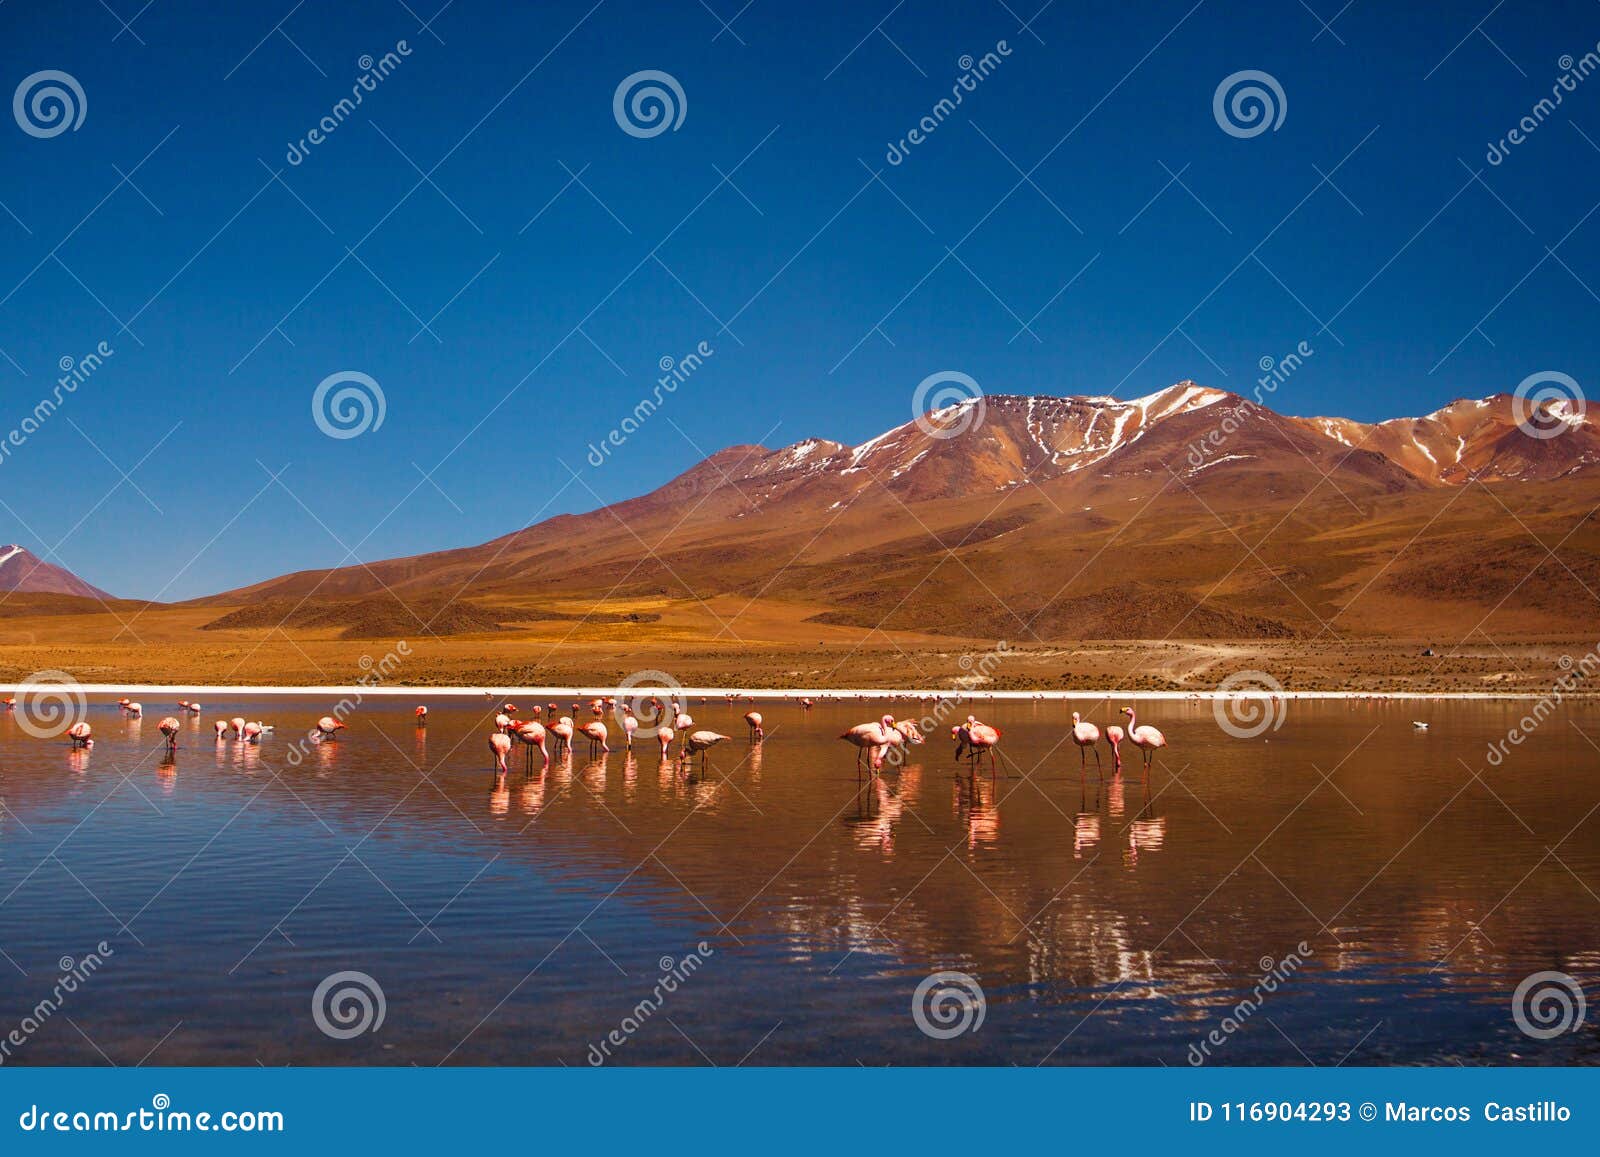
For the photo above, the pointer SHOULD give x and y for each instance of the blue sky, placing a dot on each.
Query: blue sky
(228, 294)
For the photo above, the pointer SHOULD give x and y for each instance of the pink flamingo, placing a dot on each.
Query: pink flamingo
(134, 710)
(629, 726)
(562, 730)
(532, 734)
(1114, 737)
(699, 743)
(683, 722)
(596, 731)
(169, 730)
(79, 734)
(502, 722)
(194, 708)
(757, 732)
(977, 738)
(238, 726)
(252, 733)
(665, 735)
(1144, 737)
(422, 716)
(871, 739)
(328, 727)
(499, 747)
(221, 728)
(1085, 735)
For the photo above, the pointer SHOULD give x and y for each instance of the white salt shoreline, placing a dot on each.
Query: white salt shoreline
(199, 690)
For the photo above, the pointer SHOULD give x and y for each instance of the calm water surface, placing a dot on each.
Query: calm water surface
(523, 919)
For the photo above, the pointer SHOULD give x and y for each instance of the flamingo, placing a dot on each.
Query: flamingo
(79, 733)
(532, 734)
(194, 708)
(238, 726)
(221, 728)
(665, 735)
(596, 731)
(134, 710)
(978, 737)
(562, 730)
(169, 729)
(502, 722)
(629, 726)
(870, 738)
(757, 732)
(328, 727)
(422, 716)
(252, 733)
(701, 742)
(1144, 737)
(1085, 735)
(1114, 735)
(499, 747)
(683, 722)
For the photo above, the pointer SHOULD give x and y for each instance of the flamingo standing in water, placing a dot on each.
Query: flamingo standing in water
(1114, 736)
(194, 708)
(134, 710)
(499, 747)
(596, 731)
(422, 716)
(169, 730)
(252, 733)
(562, 730)
(871, 739)
(79, 733)
(665, 735)
(237, 722)
(978, 738)
(532, 734)
(221, 728)
(629, 726)
(1085, 735)
(757, 732)
(328, 727)
(1144, 737)
(699, 743)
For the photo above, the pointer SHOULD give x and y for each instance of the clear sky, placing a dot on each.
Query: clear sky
(483, 239)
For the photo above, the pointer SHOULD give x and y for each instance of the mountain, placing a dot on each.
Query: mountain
(1476, 440)
(23, 571)
(1190, 512)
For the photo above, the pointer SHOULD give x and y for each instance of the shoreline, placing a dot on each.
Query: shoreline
(820, 694)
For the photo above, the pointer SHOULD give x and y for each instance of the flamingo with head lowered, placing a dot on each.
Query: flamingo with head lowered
(871, 739)
(1114, 736)
(1144, 737)
(169, 731)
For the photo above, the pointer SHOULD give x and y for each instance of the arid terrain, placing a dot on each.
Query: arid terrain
(1161, 544)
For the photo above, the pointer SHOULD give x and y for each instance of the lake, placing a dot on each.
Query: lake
(1343, 889)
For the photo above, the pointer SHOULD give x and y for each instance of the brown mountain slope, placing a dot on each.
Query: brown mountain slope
(1190, 512)
(22, 570)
